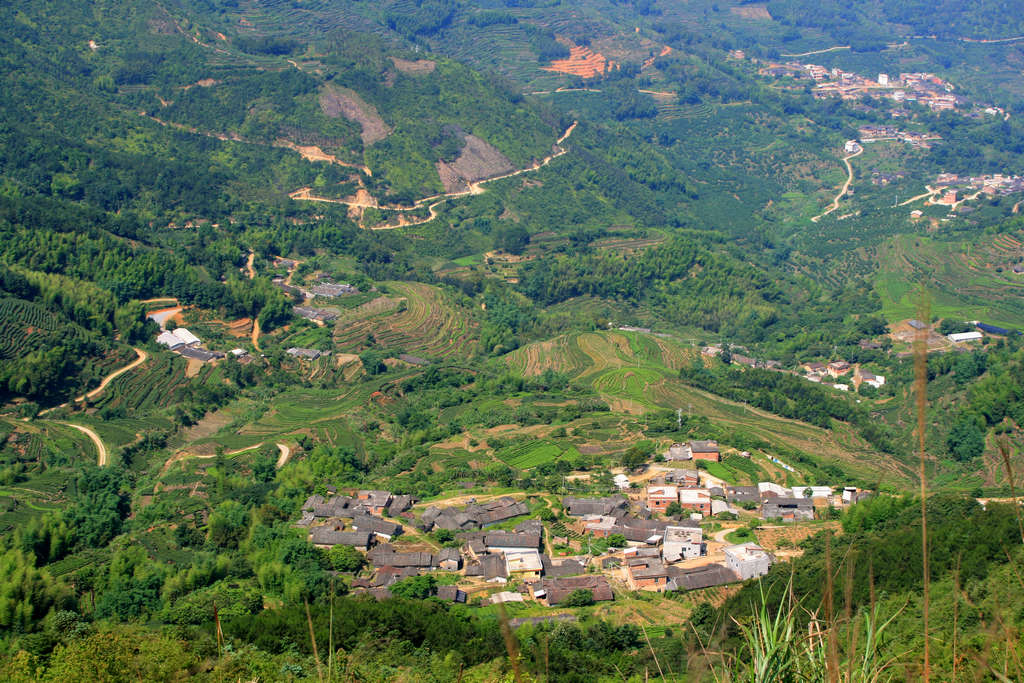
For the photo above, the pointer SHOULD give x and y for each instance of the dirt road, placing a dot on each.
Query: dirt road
(846, 185)
(431, 203)
(248, 265)
(142, 358)
(286, 453)
(101, 450)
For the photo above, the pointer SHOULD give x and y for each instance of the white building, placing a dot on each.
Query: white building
(883, 79)
(965, 336)
(748, 560)
(816, 491)
(851, 146)
(186, 337)
(776, 490)
(621, 481)
(682, 543)
(169, 340)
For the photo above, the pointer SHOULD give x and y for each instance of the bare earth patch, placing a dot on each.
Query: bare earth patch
(336, 102)
(420, 66)
(752, 11)
(477, 161)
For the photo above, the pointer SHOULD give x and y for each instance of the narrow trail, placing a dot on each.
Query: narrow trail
(308, 152)
(256, 333)
(431, 203)
(282, 459)
(248, 265)
(846, 185)
(818, 52)
(1016, 206)
(101, 450)
(142, 358)
(929, 193)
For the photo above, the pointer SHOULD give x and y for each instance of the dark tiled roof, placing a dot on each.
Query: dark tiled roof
(558, 589)
(704, 576)
(326, 535)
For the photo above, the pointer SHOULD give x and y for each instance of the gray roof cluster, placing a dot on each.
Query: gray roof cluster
(473, 516)
(579, 507)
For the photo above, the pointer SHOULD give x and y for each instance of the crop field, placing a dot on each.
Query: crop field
(158, 383)
(533, 453)
(419, 320)
(972, 280)
(635, 373)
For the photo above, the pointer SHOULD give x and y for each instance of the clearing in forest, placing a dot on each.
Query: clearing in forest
(582, 62)
(335, 101)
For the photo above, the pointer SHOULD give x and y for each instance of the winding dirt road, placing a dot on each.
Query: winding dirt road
(101, 450)
(431, 203)
(846, 185)
(142, 358)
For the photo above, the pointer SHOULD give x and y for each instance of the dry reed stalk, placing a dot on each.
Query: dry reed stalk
(651, 648)
(921, 396)
(832, 657)
(511, 645)
(312, 638)
(1004, 452)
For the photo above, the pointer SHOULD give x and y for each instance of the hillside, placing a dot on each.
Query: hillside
(473, 341)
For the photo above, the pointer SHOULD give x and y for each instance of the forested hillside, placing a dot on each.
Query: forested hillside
(263, 263)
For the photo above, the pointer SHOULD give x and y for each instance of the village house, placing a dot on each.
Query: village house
(815, 368)
(621, 481)
(748, 560)
(682, 543)
(329, 290)
(375, 502)
(769, 489)
(838, 368)
(788, 509)
(580, 507)
(660, 497)
(554, 591)
(449, 559)
(328, 536)
(678, 451)
(821, 495)
(308, 354)
(451, 594)
(704, 450)
(381, 528)
(684, 478)
(704, 576)
(742, 494)
(695, 500)
(646, 573)
(317, 315)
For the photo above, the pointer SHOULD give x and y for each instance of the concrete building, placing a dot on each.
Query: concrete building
(748, 560)
(695, 500)
(660, 497)
(682, 543)
(788, 509)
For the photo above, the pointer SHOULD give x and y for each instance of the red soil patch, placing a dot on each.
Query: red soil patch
(650, 60)
(582, 62)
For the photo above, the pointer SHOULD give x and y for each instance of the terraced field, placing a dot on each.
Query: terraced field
(417, 318)
(158, 383)
(636, 373)
(971, 280)
(533, 453)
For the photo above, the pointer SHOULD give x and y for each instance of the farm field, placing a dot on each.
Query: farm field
(969, 280)
(416, 318)
(635, 374)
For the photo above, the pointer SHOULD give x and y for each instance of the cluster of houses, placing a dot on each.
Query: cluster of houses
(818, 372)
(954, 186)
(185, 344)
(306, 354)
(320, 316)
(659, 553)
(925, 88)
(876, 133)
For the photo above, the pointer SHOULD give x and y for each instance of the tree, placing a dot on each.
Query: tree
(345, 558)
(415, 587)
(673, 509)
(228, 524)
(512, 238)
(617, 541)
(966, 439)
(581, 597)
